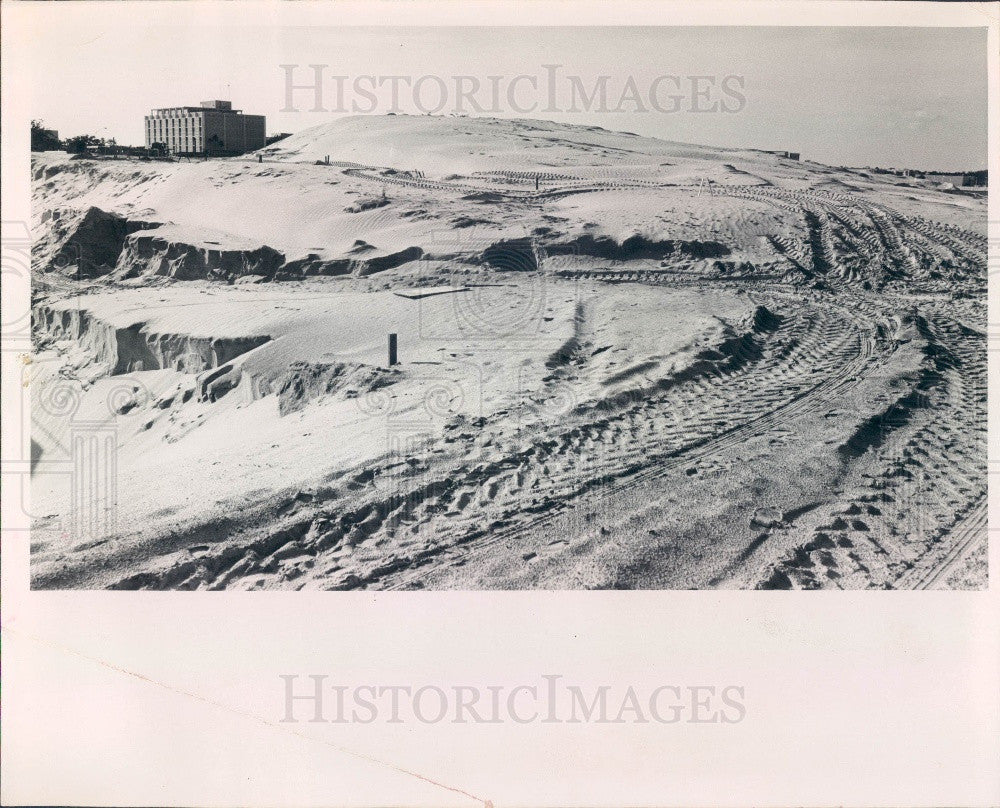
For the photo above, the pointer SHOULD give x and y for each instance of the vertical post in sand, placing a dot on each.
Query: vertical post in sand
(392, 350)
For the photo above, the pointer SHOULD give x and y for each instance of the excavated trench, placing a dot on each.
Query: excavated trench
(521, 255)
(91, 241)
(99, 243)
(133, 347)
(147, 253)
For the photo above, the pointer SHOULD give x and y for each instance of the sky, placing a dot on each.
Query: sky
(904, 97)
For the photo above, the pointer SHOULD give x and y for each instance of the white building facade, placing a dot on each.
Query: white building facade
(214, 127)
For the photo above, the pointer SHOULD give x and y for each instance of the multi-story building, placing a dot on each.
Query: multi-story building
(214, 127)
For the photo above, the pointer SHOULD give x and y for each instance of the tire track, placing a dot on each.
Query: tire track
(811, 400)
(965, 534)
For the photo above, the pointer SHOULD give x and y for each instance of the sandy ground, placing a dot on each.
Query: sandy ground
(667, 367)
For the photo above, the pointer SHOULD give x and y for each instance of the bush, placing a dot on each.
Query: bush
(367, 203)
(43, 139)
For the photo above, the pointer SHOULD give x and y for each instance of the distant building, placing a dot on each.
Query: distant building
(214, 127)
(958, 180)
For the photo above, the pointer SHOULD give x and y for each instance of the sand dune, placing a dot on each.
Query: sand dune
(666, 366)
